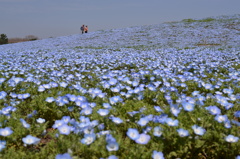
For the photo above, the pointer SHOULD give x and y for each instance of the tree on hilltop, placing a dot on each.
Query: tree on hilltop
(3, 39)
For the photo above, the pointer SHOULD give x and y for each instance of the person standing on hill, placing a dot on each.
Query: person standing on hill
(86, 29)
(82, 29)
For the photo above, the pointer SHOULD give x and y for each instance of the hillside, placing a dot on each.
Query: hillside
(169, 90)
(221, 30)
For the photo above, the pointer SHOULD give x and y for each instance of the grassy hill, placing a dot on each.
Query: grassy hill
(169, 90)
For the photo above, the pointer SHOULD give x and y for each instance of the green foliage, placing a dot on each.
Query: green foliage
(3, 39)
(201, 20)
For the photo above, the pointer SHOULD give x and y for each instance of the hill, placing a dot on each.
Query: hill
(169, 90)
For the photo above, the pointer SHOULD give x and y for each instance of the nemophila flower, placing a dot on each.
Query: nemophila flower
(30, 140)
(7, 110)
(116, 120)
(53, 84)
(103, 112)
(227, 91)
(64, 129)
(143, 121)
(107, 105)
(63, 156)
(158, 108)
(115, 99)
(182, 132)
(221, 118)
(92, 105)
(2, 80)
(227, 124)
(237, 114)
(112, 146)
(101, 126)
(208, 86)
(174, 109)
(195, 93)
(63, 84)
(135, 83)
(157, 155)
(50, 99)
(198, 130)
(143, 139)
(238, 157)
(157, 131)
(41, 88)
(188, 106)
(228, 106)
(5, 131)
(115, 89)
(66, 119)
(133, 113)
(3, 94)
(231, 138)
(172, 122)
(88, 139)
(2, 145)
(86, 111)
(58, 123)
(41, 120)
(133, 133)
(112, 157)
(147, 129)
(24, 123)
(110, 138)
(214, 110)
(13, 95)
(113, 81)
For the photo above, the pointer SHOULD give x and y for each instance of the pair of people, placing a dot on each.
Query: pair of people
(84, 29)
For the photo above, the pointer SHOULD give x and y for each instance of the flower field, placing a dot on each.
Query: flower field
(170, 90)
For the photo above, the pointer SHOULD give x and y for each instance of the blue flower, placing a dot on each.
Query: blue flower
(198, 130)
(174, 109)
(40, 120)
(112, 146)
(157, 131)
(3, 94)
(57, 123)
(115, 99)
(221, 118)
(5, 131)
(103, 112)
(64, 129)
(171, 122)
(231, 138)
(133, 133)
(214, 110)
(87, 111)
(107, 105)
(116, 120)
(158, 109)
(2, 145)
(157, 155)
(112, 157)
(50, 99)
(24, 123)
(143, 121)
(63, 156)
(188, 106)
(143, 139)
(88, 139)
(182, 132)
(29, 140)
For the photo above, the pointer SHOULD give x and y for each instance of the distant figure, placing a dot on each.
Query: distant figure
(82, 28)
(86, 29)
